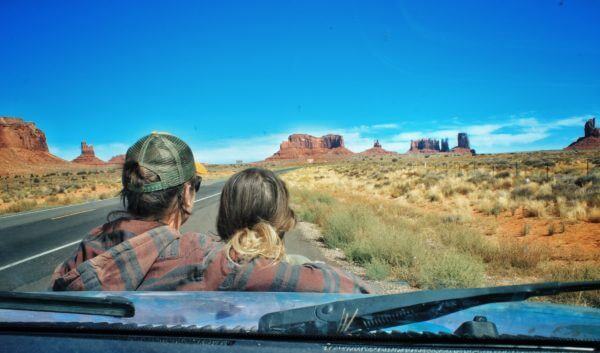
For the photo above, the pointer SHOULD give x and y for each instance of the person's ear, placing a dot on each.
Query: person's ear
(188, 196)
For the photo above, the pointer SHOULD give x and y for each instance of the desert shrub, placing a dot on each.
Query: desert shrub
(454, 218)
(399, 247)
(451, 270)
(463, 188)
(377, 270)
(534, 209)
(360, 252)
(503, 174)
(21, 206)
(522, 256)
(593, 215)
(539, 163)
(593, 179)
(434, 194)
(576, 272)
(524, 191)
(592, 196)
(52, 199)
(490, 207)
(480, 178)
(571, 210)
(468, 241)
(400, 189)
(345, 223)
(430, 179)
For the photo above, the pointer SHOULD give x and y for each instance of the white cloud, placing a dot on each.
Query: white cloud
(385, 126)
(249, 149)
(572, 121)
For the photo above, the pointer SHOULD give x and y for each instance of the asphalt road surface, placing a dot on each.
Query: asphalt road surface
(33, 243)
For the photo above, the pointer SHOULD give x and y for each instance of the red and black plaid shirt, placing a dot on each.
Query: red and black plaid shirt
(131, 255)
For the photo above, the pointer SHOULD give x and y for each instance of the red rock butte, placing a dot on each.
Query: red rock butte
(16, 133)
(432, 146)
(590, 139)
(23, 148)
(88, 156)
(377, 150)
(307, 147)
(118, 159)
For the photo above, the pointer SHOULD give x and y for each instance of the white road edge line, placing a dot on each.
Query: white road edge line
(67, 245)
(208, 197)
(72, 214)
(38, 255)
(53, 208)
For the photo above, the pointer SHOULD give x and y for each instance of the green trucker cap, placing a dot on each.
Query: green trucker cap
(167, 156)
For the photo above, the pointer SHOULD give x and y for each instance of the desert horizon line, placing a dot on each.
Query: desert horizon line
(358, 139)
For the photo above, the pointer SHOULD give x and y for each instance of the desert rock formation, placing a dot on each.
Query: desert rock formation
(23, 148)
(303, 146)
(376, 150)
(88, 156)
(118, 159)
(432, 146)
(590, 139)
(463, 146)
(425, 145)
(16, 133)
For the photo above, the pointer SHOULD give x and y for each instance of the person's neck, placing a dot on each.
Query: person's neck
(174, 221)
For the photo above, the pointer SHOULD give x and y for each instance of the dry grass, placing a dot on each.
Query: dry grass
(25, 192)
(412, 220)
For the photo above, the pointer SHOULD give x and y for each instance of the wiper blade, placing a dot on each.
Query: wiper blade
(105, 306)
(378, 312)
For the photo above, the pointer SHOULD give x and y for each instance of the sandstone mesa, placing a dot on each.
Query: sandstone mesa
(304, 146)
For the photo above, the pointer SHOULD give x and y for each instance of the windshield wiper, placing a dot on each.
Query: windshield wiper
(106, 306)
(378, 312)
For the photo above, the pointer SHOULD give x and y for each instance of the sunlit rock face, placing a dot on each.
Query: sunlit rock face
(88, 156)
(304, 146)
(16, 133)
(118, 159)
(590, 139)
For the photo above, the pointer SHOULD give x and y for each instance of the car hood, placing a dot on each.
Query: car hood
(243, 309)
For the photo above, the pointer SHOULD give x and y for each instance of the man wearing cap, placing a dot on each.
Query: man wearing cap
(141, 248)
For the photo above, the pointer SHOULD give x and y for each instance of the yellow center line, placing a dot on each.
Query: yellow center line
(72, 214)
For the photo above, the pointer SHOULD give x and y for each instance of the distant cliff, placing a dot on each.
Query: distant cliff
(16, 133)
(376, 150)
(88, 156)
(590, 139)
(23, 148)
(432, 146)
(303, 146)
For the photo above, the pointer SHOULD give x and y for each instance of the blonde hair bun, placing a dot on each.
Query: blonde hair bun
(261, 240)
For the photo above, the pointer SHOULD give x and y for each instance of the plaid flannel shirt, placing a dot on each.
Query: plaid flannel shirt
(131, 255)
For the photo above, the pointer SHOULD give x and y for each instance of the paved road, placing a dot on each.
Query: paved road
(33, 243)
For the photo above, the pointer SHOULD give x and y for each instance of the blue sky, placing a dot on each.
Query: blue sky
(233, 79)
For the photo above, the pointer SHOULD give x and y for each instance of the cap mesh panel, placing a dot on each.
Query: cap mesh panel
(167, 156)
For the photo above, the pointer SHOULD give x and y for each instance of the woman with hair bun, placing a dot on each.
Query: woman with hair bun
(254, 216)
